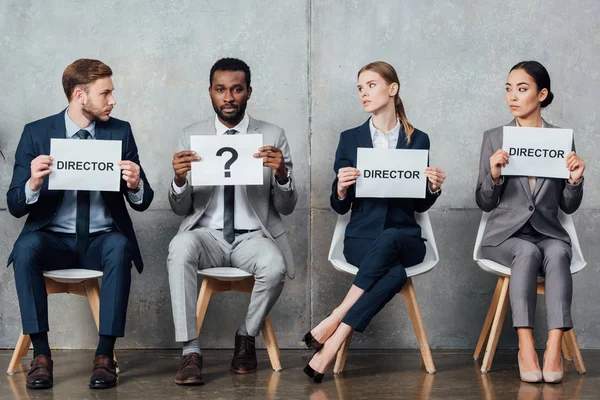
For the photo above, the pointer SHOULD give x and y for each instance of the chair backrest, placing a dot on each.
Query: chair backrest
(577, 261)
(336, 250)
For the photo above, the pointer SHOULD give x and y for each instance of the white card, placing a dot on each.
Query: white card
(85, 165)
(226, 160)
(537, 151)
(391, 173)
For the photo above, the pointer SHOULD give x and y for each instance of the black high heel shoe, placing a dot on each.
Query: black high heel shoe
(316, 377)
(311, 342)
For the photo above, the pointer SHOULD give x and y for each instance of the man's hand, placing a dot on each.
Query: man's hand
(40, 167)
(346, 177)
(182, 163)
(273, 158)
(130, 172)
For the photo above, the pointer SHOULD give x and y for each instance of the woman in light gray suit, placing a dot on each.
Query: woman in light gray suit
(523, 231)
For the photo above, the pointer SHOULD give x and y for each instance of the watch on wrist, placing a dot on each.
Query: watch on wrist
(283, 181)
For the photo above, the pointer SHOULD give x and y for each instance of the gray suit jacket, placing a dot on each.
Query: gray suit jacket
(267, 201)
(511, 202)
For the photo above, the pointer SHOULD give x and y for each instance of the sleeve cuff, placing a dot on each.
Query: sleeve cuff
(137, 197)
(178, 190)
(30, 196)
(286, 187)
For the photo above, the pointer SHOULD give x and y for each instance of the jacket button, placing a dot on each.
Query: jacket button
(530, 208)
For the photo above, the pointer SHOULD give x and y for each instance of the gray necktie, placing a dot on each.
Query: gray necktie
(82, 221)
(229, 205)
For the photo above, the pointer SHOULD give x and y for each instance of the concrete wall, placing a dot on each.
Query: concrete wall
(452, 58)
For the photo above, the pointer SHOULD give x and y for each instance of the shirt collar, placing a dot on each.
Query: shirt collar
(72, 127)
(242, 127)
(395, 132)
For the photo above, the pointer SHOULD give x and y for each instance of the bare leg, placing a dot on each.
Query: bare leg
(327, 354)
(552, 358)
(328, 326)
(529, 358)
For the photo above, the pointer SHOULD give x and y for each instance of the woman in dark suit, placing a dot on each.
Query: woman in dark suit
(523, 231)
(382, 237)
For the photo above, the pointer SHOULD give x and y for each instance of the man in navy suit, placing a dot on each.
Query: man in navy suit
(76, 229)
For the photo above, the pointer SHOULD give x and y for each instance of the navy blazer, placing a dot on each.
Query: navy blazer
(35, 141)
(369, 215)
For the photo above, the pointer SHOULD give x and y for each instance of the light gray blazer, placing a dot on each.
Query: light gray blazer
(267, 201)
(512, 203)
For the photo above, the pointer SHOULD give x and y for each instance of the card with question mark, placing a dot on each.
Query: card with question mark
(227, 160)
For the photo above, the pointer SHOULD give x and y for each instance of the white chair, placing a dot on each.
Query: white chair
(495, 316)
(337, 259)
(223, 279)
(83, 282)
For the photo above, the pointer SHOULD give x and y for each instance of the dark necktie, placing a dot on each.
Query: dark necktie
(82, 223)
(229, 204)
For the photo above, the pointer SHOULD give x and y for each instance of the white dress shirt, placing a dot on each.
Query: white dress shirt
(388, 140)
(244, 216)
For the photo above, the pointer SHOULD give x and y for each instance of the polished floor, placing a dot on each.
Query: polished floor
(147, 374)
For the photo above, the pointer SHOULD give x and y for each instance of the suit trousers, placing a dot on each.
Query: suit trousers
(205, 248)
(528, 257)
(39, 251)
(381, 270)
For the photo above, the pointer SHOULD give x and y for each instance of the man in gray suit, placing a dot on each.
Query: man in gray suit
(237, 226)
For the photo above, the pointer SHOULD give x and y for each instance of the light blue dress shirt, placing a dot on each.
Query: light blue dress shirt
(100, 218)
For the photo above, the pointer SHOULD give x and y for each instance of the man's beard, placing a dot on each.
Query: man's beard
(241, 109)
(94, 114)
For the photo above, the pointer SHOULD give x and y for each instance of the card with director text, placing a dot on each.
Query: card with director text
(538, 152)
(85, 165)
(388, 173)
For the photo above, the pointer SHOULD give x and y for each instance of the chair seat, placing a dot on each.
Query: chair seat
(75, 275)
(225, 273)
(427, 265)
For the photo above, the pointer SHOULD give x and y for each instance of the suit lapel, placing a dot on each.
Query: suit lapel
(363, 138)
(58, 131)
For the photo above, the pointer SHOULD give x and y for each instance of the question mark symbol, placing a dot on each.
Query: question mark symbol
(234, 156)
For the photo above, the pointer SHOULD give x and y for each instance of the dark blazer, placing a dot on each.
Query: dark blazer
(511, 202)
(369, 215)
(35, 141)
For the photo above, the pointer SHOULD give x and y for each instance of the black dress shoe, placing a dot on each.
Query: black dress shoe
(244, 355)
(190, 370)
(312, 343)
(40, 374)
(316, 377)
(104, 374)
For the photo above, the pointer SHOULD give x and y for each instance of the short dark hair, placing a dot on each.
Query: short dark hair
(83, 72)
(231, 64)
(541, 77)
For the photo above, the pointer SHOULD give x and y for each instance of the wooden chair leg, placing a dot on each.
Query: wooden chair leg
(496, 326)
(575, 352)
(21, 350)
(565, 349)
(487, 324)
(271, 344)
(340, 359)
(408, 291)
(203, 299)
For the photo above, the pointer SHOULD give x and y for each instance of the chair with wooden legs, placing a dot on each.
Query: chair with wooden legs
(337, 259)
(83, 282)
(223, 279)
(495, 317)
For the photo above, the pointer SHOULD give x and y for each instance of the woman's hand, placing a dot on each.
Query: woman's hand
(576, 167)
(498, 160)
(436, 178)
(346, 178)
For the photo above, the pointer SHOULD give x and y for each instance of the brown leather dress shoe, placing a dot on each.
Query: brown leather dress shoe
(244, 355)
(104, 374)
(40, 374)
(190, 370)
